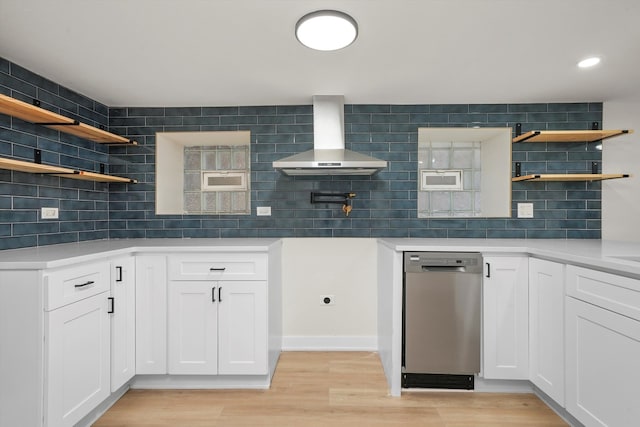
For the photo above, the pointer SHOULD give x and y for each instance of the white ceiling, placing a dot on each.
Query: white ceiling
(244, 52)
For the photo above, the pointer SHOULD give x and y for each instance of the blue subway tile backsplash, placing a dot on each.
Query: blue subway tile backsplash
(384, 206)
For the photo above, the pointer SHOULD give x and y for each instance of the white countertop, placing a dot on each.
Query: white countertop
(600, 254)
(69, 253)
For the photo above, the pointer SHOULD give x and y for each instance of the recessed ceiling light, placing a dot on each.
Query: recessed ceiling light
(589, 62)
(326, 30)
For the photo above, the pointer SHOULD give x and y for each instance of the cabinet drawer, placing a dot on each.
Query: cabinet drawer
(218, 266)
(75, 283)
(617, 293)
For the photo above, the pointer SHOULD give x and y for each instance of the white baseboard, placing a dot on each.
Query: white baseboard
(203, 382)
(330, 343)
(99, 411)
(502, 386)
(562, 412)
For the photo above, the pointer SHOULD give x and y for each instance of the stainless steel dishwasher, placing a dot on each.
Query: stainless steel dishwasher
(441, 319)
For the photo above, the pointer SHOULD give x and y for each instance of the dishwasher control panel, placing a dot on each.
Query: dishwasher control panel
(457, 261)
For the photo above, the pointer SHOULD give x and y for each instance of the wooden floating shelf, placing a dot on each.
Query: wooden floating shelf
(29, 167)
(34, 114)
(570, 177)
(569, 135)
(97, 177)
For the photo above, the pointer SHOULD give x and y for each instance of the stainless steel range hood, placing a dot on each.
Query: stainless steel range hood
(329, 157)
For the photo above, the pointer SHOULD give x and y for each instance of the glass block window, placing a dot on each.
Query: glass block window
(446, 159)
(217, 179)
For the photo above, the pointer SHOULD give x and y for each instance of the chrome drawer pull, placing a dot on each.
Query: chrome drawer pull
(218, 269)
(82, 285)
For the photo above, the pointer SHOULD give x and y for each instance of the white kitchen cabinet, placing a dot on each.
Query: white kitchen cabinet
(56, 368)
(217, 323)
(123, 321)
(77, 359)
(193, 327)
(603, 366)
(56, 329)
(151, 314)
(77, 341)
(602, 347)
(546, 327)
(22, 348)
(505, 318)
(242, 328)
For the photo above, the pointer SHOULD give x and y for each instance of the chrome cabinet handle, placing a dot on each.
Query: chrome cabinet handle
(112, 300)
(213, 294)
(217, 269)
(82, 285)
(119, 270)
(488, 269)
(220, 294)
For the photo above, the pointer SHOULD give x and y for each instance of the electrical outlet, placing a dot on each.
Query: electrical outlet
(327, 300)
(49, 213)
(263, 211)
(525, 210)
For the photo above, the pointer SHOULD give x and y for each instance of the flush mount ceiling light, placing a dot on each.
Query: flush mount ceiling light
(326, 30)
(589, 62)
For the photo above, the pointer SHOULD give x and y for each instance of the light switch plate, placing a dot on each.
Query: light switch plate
(525, 210)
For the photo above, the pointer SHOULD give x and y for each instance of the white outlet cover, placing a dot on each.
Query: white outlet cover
(263, 211)
(49, 213)
(525, 210)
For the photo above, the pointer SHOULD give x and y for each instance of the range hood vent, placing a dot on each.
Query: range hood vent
(329, 157)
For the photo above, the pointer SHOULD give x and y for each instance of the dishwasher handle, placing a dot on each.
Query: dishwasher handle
(456, 269)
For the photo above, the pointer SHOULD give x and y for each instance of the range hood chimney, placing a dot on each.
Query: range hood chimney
(329, 157)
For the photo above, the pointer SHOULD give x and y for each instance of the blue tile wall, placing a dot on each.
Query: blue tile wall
(385, 205)
(83, 205)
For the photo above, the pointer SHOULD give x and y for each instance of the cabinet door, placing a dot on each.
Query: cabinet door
(546, 327)
(193, 327)
(506, 318)
(603, 361)
(123, 321)
(77, 359)
(151, 314)
(242, 328)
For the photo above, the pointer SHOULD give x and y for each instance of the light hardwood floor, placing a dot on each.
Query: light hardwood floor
(326, 389)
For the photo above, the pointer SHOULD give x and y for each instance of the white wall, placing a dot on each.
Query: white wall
(343, 267)
(621, 197)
